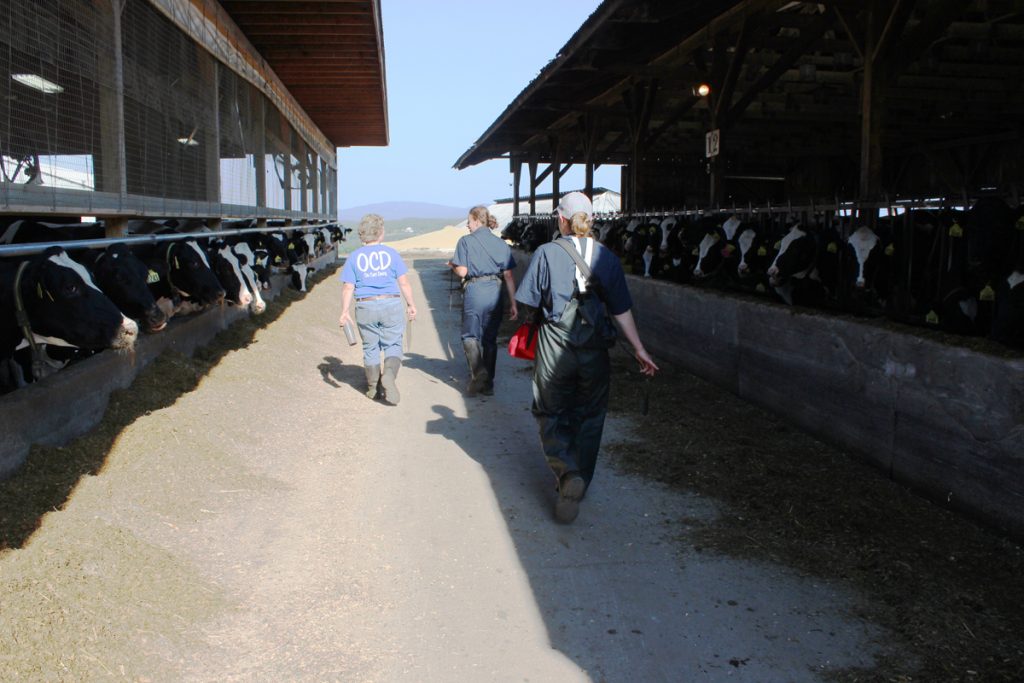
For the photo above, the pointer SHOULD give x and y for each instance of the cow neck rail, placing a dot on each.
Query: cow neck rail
(42, 364)
(810, 209)
(40, 247)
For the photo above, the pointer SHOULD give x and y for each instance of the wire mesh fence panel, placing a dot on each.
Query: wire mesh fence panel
(169, 108)
(241, 139)
(160, 128)
(56, 88)
(277, 158)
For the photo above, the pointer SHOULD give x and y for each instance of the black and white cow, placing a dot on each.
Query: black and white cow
(299, 272)
(717, 252)
(118, 272)
(123, 277)
(1008, 319)
(62, 304)
(794, 274)
(225, 265)
(245, 257)
(181, 278)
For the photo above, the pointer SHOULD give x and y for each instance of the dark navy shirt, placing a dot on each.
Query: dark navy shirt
(550, 280)
(483, 253)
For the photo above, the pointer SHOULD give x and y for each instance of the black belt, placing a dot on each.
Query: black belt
(379, 296)
(482, 277)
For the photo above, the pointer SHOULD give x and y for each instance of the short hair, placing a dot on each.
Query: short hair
(371, 228)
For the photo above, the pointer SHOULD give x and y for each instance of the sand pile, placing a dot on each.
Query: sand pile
(438, 240)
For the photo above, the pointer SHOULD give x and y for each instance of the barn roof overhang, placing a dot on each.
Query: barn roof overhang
(786, 81)
(329, 54)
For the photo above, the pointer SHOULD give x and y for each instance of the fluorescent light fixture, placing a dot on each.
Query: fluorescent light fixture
(38, 83)
(188, 142)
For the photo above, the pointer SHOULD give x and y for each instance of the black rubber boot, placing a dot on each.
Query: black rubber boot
(477, 372)
(391, 367)
(372, 381)
(490, 355)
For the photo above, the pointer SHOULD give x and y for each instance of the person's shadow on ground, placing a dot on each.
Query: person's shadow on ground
(336, 374)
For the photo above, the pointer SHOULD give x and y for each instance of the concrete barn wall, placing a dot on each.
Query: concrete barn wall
(69, 403)
(946, 421)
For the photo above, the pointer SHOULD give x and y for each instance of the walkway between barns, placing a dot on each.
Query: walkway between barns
(290, 529)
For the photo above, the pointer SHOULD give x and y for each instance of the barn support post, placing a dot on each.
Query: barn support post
(533, 186)
(556, 170)
(208, 68)
(877, 42)
(639, 101)
(260, 159)
(111, 171)
(517, 171)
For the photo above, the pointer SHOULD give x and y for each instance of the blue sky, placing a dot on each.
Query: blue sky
(452, 68)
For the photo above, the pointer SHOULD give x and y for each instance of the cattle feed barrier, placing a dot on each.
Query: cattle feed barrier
(944, 420)
(29, 248)
(66, 405)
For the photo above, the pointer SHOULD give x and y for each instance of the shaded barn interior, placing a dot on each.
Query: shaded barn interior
(866, 99)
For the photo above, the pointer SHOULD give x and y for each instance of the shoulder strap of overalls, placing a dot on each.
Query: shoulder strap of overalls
(580, 263)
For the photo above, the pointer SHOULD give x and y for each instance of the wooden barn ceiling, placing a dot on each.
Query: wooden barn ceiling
(786, 79)
(330, 55)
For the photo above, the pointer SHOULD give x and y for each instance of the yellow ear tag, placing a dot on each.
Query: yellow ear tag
(291, 245)
(695, 252)
(1020, 223)
(956, 231)
(932, 318)
(39, 290)
(832, 247)
(152, 276)
(277, 259)
(890, 250)
(177, 266)
(987, 294)
(777, 245)
(762, 251)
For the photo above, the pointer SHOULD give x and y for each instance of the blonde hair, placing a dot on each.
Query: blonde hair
(371, 228)
(481, 214)
(492, 222)
(580, 224)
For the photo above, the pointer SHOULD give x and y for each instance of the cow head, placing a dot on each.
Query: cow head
(62, 301)
(229, 273)
(796, 256)
(298, 273)
(189, 272)
(124, 278)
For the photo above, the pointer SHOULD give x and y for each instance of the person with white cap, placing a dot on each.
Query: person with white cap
(576, 285)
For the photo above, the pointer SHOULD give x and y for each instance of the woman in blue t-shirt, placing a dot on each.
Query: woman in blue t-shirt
(373, 275)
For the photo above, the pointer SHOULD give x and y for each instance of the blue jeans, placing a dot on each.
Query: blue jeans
(381, 325)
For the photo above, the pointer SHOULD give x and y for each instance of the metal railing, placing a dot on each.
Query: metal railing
(39, 247)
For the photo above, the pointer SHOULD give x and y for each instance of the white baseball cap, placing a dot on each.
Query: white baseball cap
(573, 203)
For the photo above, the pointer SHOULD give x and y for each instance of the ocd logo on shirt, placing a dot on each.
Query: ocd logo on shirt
(374, 264)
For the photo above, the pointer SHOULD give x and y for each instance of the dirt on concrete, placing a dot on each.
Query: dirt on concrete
(245, 514)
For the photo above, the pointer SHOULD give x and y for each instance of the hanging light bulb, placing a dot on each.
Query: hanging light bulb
(702, 90)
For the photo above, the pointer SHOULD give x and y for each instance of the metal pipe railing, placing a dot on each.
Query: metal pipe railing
(39, 247)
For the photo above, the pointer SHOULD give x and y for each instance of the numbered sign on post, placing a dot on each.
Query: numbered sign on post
(711, 141)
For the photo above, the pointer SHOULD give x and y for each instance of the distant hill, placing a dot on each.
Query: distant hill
(399, 210)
